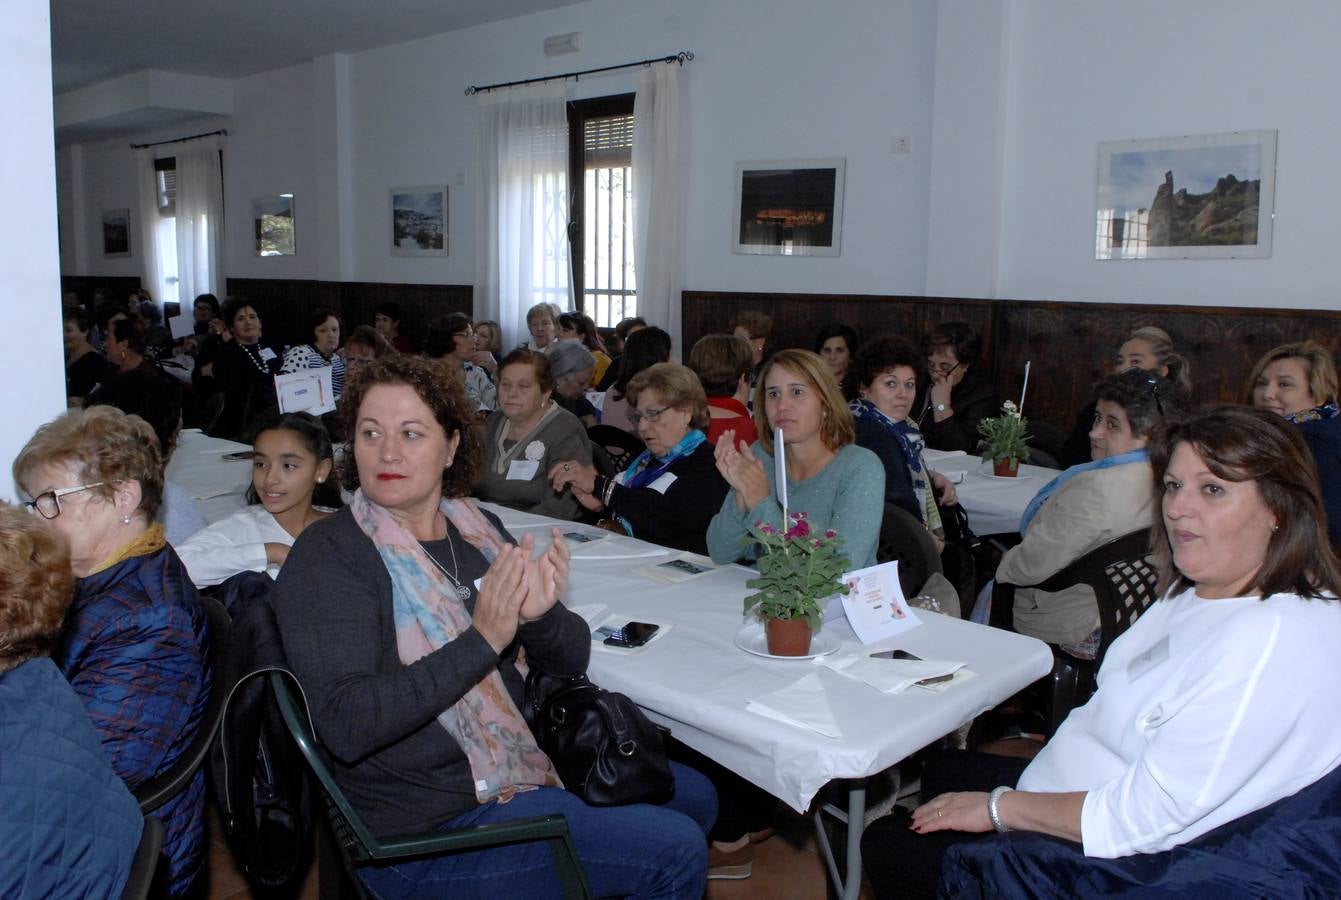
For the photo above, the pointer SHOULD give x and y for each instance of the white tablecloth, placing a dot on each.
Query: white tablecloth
(697, 682)
(994, 505)
(217, 485)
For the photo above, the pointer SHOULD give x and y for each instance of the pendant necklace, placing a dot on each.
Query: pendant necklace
(462, 592)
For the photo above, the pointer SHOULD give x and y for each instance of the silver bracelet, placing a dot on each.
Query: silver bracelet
(992, 811)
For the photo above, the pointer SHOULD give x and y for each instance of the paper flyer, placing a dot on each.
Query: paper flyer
(307, 391)
(875, 606)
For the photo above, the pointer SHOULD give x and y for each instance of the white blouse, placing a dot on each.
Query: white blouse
(232, 545)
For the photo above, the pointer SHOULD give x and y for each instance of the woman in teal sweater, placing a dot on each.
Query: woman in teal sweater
(836, 483)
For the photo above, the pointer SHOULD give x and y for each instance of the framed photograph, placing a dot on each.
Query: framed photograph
(115, 233)
(789, 208)
(272, 225)
(1199, 196)
(419, 221)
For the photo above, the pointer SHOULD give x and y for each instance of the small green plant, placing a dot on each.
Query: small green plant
(796, 571)
(1006, 436)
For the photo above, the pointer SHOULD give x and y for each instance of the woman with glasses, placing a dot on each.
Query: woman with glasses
(133, 647)
(671, 491)
(1087, 506)
(526, 436)
(958, 397)
(452, 337)
(323, 328)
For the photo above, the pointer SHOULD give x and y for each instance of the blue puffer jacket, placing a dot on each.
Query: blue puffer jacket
(68, 826)
(133, 650)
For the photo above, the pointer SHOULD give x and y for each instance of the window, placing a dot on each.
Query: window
(165, 234)
(600, 163)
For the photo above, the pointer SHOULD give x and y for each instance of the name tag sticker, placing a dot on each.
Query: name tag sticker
(267, 354)
(523, 469)
(662, 484)
(1148, 660)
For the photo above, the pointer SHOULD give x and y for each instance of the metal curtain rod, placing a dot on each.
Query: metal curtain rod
(682, 57)
(192, 137)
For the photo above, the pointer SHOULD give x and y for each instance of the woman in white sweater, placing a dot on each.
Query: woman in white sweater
(1218, 701)
(291, 462)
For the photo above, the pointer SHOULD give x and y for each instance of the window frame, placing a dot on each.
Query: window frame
(579, 112)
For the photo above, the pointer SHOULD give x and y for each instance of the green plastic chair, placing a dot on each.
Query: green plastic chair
(358, 846)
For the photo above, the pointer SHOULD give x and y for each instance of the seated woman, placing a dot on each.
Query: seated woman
(670, 492)
(542, 320)
(1219, 699)
(489, 339)
(453, 338)
(958, 397)
(576, 326)
(291, 461)
(644, 348)
(126, 345)
(1087, 506)
(837, 345)
(85, 368)
(245, 369)
(723, 363)
(570, 364)
(323, 330)
(410, 669)
(134, 642)
(885, 373)
(1298, 381)
(526, 436)
(838, 484)
(53, 848)
(614, 344)
(756, 328)
(1147, 349)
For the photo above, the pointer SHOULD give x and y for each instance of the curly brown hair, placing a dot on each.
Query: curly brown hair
(442, 388)
(103, 444)
(35, 586)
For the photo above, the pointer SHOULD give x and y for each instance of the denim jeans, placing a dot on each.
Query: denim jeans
(640, 851)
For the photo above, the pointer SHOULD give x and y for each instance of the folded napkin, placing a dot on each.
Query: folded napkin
(890, 676)
(803, 704)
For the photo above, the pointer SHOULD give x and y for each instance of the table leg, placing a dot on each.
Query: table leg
(849, 887)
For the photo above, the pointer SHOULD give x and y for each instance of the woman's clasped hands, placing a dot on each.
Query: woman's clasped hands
(741, 470)
(518, 589)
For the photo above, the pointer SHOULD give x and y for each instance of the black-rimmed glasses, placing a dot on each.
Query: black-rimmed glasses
(651, 415)
(48, 503)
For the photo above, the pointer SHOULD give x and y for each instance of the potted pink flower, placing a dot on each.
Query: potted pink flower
(797, 570)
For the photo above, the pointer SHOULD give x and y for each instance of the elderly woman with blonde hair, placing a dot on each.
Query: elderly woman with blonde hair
(133, 644)
(670, 492)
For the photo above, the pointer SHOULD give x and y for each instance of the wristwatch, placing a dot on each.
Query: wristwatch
(941, 407)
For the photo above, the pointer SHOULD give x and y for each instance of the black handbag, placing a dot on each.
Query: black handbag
(603, 747)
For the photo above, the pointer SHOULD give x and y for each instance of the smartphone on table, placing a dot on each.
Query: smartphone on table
(631, 634)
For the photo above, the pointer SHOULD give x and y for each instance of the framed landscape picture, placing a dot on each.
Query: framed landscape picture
(789, 208)
(115, 233)
(419, 221)
(1191, 197)
(272, 225)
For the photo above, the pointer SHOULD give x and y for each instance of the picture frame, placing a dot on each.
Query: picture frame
(273, 225)
(789, 207)
(116, 233)
(419, 221)
(1207, 196)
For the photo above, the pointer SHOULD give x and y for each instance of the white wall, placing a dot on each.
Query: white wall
(30, 341)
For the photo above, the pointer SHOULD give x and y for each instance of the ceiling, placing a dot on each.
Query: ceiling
(93, 40)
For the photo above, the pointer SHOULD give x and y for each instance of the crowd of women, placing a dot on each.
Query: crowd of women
(406, 609)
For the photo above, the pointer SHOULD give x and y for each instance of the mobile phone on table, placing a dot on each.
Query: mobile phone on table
(632, 634)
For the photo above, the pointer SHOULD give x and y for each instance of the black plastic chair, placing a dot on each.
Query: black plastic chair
(143, 868)
(618, 443)
(904, 538)
(1123, 580)
(359, 846)
(164, 786)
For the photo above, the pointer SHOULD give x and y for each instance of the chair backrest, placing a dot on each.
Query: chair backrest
(167, 784)
(144, 866)
(1122, 576)
(905, 538)
(621, 445)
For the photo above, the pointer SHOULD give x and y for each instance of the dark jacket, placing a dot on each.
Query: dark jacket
(677, 516)
(68, 826)
(133, 649)
(898, 480)
(1323, 437)
(973, 399)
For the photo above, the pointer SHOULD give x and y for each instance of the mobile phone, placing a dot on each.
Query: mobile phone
(633, 634)
(239, 454)
(894, 654)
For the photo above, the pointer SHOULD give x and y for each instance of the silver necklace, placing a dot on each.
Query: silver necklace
(462, 592)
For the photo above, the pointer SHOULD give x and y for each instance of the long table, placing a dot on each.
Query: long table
(218, 485)
(994, 504)
(697, 682)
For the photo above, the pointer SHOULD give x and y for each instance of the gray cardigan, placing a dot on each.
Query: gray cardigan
(563, 437)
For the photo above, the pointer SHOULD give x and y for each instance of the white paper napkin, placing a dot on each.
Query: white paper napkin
(890, 676)
(803, 704)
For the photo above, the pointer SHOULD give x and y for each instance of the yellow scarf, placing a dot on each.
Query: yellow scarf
(146, 542)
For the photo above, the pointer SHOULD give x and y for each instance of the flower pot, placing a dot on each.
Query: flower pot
(788, 637)
(1006, 468)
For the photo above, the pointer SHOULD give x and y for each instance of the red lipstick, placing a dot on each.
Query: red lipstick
(389, 476)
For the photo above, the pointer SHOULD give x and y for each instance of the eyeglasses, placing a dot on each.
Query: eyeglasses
(464, 334)
(48, 503)
(942, 368)
(651, 415)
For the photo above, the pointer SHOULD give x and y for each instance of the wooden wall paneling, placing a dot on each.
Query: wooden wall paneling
(119, 287)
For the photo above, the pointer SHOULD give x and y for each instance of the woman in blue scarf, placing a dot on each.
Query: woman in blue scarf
(1089, 505)
(1298, 381)
(671, 491)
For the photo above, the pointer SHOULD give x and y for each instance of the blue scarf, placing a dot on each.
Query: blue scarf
(1317, 413)
(912, 444)
(647, 468)
(1131, 456)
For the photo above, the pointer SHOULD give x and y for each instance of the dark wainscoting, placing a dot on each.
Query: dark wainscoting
(1070, 344)
(284, 303)
(118, 287)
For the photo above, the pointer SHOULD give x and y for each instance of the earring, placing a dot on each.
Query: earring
(125, 520)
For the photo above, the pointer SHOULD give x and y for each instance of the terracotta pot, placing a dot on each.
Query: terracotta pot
(1006, 468)
(788, 637)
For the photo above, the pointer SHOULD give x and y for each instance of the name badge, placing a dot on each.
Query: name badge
(523, 469)
(662, 484)
(267, 354)
(1148, 660)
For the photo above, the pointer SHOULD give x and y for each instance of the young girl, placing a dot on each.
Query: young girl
(292, 461)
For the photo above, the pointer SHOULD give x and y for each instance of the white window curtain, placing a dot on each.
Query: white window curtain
(521, 255)
(658, 196)
(199, 218)
(151, 271)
